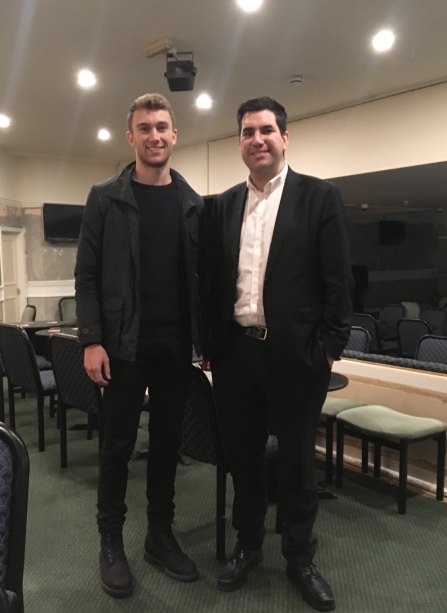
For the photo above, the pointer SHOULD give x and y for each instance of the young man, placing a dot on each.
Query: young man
(281, 305)
(138, 273)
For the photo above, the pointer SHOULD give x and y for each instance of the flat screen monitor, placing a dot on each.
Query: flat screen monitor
(391, 232)
(62, 222)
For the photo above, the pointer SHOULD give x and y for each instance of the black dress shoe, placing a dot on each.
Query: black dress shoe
(235, 572)
(313, 588)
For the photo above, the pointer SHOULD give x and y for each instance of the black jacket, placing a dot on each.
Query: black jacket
(308, 281)
(107, 272)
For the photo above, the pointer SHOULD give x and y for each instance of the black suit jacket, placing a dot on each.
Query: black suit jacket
(308, 282)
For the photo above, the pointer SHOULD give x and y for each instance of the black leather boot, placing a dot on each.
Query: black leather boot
(116, 577)
(235, 572)
(162, 547)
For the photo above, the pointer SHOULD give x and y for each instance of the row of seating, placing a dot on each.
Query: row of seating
(414, 342)
(402, 334)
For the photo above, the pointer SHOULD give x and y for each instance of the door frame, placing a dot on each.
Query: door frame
(21, 265)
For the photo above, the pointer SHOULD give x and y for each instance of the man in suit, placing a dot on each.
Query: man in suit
(281, 285)
(138, 280)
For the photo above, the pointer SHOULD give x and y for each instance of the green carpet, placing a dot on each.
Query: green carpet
(376, 560)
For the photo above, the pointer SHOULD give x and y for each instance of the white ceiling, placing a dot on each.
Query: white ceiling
(43, 43)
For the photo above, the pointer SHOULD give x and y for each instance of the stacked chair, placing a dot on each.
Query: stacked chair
(409, 333)
(75, 388)
(67, 309)
(436, 319)
(201, 442)
(22, 370)
(14, 480)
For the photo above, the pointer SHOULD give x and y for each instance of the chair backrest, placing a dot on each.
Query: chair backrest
(413, 309)
(200, 433)
(409, 333)
(443, 302)
(74, 386)
(29, 314)
(19, 359)
(14, 481)
(67, 308)
(391, 313)
(359, 340)
(432, 349)
(436, 319)
(363, 320)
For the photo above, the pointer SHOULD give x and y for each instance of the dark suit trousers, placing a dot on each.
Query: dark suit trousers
(255, 396)
(163, 365)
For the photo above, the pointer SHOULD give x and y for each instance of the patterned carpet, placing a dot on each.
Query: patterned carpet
(376, 560)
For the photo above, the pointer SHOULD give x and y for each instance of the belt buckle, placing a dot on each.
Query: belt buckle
(258, 332)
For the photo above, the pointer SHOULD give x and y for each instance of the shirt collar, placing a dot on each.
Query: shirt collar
(273, 184)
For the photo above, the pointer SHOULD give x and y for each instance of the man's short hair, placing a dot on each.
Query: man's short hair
(151, 102)
(264, 103)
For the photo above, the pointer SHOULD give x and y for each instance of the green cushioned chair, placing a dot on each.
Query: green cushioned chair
(331, 408)
(383, 426)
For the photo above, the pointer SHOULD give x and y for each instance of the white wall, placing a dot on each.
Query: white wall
(192, 163)
(9, 179)
(60, 181)
(405, 130)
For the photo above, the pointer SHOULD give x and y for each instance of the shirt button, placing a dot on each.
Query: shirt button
(85, 330)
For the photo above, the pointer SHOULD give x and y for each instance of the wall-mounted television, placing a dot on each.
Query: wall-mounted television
(62, 222)
(391, 232)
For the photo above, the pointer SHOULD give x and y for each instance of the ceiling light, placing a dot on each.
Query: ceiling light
(5, 122)
(204, 102)
(104, 134)
(249, 5)
(383, 40)
(86, 79)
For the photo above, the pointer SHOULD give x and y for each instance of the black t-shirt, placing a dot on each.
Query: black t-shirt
(164, 304)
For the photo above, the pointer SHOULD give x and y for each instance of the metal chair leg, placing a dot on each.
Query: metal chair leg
(441, 467)
(221, 486)
(62, 415)
(329, 449)
(340, 452)
(40, 421)
(12, 408)
(403, 470)
(377, 459)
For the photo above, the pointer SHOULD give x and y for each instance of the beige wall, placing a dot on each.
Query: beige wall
(405, 130)
(9, 178)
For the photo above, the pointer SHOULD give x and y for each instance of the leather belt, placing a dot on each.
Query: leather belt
(258, 332)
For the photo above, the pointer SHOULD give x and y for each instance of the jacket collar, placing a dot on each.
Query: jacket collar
(121, 189)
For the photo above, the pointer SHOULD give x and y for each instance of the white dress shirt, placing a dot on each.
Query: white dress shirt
(258, 224)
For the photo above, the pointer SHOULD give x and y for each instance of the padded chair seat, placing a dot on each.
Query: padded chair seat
(47, 378)
(389, 424)
(333, 406)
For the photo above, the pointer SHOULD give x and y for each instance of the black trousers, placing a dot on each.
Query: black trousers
(255, 396)
(163, 365)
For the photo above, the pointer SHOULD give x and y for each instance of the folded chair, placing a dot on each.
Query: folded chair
(67, 308)
(201, 442)
(75, 388)
(29, 313)
(14, 478)
(22, 371)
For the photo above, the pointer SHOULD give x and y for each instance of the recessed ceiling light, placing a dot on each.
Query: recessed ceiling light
(5, 122)
(86, 79)
(383, 40)
(204, 102)
(104, 134)
(249, 5)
